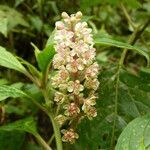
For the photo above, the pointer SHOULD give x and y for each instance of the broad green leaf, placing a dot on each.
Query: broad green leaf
(9, 91)
(134, 93)
(9, 61)
(44, 57)
(133, 102)
(119, 44)
(136, 132)
(140, 81)
(27, 125)
(12, 140)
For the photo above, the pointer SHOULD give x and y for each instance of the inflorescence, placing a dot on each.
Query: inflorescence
(76, 75)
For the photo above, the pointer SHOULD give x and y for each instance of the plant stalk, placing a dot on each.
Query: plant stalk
(133, 38)
(42, 142)
(56, 133)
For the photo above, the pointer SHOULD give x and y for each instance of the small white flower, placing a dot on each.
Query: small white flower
(71, 109)
(74, 65)
(75, 87)
(92, 71)
(59, 97)
(69, 136)
(64, 37)
(89, 56)
(92, 84)
(91, 112)
(58, 61)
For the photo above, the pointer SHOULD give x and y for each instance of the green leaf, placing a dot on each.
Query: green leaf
(134, 94)
(140, 81)
(50, 40)
(31, 146)
(134, 4)
(44, 57)
(9, 91)
(10, 109)
(119, 44)
(13, 17)
(36, 22)
(3, 81)
(12, 140)
(30, 67)
(9, 61)
(27, 125)
(136, 132)
(3, 26)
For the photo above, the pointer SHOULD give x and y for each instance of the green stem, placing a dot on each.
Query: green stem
(42, 142)
(56, 133)
(133, 38)
(51, 139)
(128, 17)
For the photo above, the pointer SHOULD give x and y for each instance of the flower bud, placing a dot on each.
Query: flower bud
(78, 15)
(59, 25)
(64, 15)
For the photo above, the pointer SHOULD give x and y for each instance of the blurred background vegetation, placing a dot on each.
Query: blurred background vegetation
(26, 21)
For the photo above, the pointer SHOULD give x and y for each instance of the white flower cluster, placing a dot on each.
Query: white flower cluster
(76, 78)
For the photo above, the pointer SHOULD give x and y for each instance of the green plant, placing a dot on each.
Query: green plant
(121, 36)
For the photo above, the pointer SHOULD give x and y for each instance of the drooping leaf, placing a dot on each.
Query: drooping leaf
(136, 132)
(119, 44)
(9, 61)
(9, 91)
